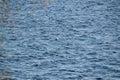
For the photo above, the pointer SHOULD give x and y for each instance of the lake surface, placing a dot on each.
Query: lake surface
(61, 40)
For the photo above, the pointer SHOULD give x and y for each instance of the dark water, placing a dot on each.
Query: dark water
(66, 40)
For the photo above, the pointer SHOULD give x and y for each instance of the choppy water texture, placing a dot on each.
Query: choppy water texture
(66, 40)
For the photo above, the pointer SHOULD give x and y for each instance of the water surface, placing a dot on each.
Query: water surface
(66, 40)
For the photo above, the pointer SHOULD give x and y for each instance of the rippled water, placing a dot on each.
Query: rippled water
(66, 40)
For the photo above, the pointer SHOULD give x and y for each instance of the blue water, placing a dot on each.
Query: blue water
(62, 40)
